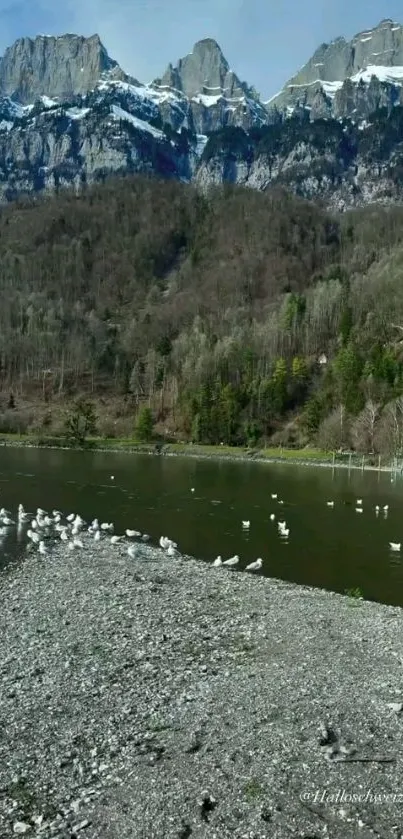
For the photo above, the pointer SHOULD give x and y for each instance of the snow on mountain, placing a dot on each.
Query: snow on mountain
(67, 114)
(140, 124)
(393, 75)
(330, 83)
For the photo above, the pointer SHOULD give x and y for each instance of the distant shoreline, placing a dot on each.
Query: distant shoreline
(300, 457)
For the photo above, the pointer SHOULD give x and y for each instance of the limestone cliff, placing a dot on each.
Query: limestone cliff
(57, 67)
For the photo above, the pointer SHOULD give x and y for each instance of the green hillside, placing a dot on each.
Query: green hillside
(214, 310)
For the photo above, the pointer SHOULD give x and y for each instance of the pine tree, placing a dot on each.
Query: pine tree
(144, 424)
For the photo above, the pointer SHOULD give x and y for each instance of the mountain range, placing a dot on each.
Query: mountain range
(70, 115)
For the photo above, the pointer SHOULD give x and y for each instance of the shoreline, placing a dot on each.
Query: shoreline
(209, 453)
(162, 697)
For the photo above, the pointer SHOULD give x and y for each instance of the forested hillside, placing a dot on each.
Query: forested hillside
(237, 316)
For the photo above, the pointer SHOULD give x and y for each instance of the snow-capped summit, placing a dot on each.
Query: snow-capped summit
(329, 82)
(70, 115)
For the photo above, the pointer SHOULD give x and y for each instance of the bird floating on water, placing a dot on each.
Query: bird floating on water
(395, 546)
(330, 503)
(283, 529)
(272, 517)
(246, 525)
(274, 495)
(359, 510)
(359, 502)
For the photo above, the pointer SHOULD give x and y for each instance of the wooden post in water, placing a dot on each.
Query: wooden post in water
(349, 463)
(363, 461)
(334, 458)
(379, 463)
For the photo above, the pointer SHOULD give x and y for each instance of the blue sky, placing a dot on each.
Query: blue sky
(265, 41)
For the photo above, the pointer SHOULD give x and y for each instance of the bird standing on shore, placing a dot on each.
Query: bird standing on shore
(233, 560)
(254, 566)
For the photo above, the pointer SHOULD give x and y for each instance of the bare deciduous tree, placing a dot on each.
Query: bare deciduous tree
(363, 429)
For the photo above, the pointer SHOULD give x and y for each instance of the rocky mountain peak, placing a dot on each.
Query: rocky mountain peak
(204, 71)
(58, 67)
(374, 52)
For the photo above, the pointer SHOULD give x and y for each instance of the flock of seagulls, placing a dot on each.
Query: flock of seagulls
(233, 560)
(284, 533)
(44, 529)
(359, 508)
(394, 546)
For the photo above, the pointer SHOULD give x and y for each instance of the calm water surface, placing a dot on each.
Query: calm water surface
(334, 548)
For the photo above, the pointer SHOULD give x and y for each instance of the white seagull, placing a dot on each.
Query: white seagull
(254, 566)
(233, 560)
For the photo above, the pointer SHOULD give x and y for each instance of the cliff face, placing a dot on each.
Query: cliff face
(346, 78)
(337, 162)
(215, 94)
(54, 67)
(204, 70)
(69, 115)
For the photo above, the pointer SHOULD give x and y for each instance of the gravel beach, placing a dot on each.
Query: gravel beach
(161, 697)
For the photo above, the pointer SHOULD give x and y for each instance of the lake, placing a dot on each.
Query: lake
(330, 547)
